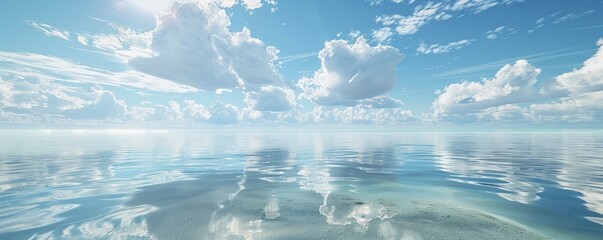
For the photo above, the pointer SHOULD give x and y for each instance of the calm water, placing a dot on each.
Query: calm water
(300, 185)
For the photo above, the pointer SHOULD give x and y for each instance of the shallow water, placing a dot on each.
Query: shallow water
(300, 185)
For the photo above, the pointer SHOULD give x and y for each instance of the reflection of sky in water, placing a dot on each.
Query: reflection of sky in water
(519, 167)
(506, 162)
(204, 185)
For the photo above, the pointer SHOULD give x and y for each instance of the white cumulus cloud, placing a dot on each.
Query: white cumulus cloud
(271, 99)
(31, 94)
(223, 113)
(350, 72)
(507, 112)
(361, 115)
(575, 96)
(583, 108)
(105, 106)
(588, 78)
(196, 111)
(381, 102)
(511, 84)
(194, 46)
(252, 4)
(583, 89)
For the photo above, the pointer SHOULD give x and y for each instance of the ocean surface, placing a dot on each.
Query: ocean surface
(137, 184)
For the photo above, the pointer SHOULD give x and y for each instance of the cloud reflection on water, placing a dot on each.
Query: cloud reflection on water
(520, 166)
(224, 185)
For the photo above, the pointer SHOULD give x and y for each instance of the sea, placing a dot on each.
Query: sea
(300, 184)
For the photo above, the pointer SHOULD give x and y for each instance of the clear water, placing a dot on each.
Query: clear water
(300, 185)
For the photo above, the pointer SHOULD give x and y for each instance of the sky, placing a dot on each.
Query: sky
(456, 63)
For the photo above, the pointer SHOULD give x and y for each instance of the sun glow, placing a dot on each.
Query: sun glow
(150, 6)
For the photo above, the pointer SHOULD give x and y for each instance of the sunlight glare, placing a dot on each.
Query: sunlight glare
(150, 6)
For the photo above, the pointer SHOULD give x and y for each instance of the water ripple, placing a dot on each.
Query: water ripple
(67, 185)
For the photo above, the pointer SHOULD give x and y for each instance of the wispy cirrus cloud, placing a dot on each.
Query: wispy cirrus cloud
(571, 16)
(67, 71)
(440, 11)
(499, 32)
(443, 48)
(537, 57)
(407, 25)
(297, 57)
(383, 35)
(49, 30)
(555, 18)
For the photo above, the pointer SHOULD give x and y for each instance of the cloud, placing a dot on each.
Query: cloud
(379, 110)
(196, 111)
(354, 34)
(6, 92)
(487, 67)
(32, 99)
(159, 113)
(361, 115)
(188, 112)
(193, 46)
(30, 94)
(375, 2)
(429, 12)
(125, 44)
(499, 31)
(582, 90)
(106, 106)
(383, 35)
(250, 116)
(227, 3)
(411, 24)
(443, 48)
(378, 2)
(297, 57)
(59, 70)
(252, 4)
(511, 84)
(42, 88)
(575, 96)
(507, 112)
(271, 99)
(572, 16)
(588, 78)
(222, 113)
(586, 107)
(477, 6)
(381, 102)
(351, 72)
(537, 24)
(82, 39)
(49, 30)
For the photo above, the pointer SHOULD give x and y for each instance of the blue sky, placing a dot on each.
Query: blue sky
(493, 63)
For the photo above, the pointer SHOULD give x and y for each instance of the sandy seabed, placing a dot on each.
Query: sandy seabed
(187, 212)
